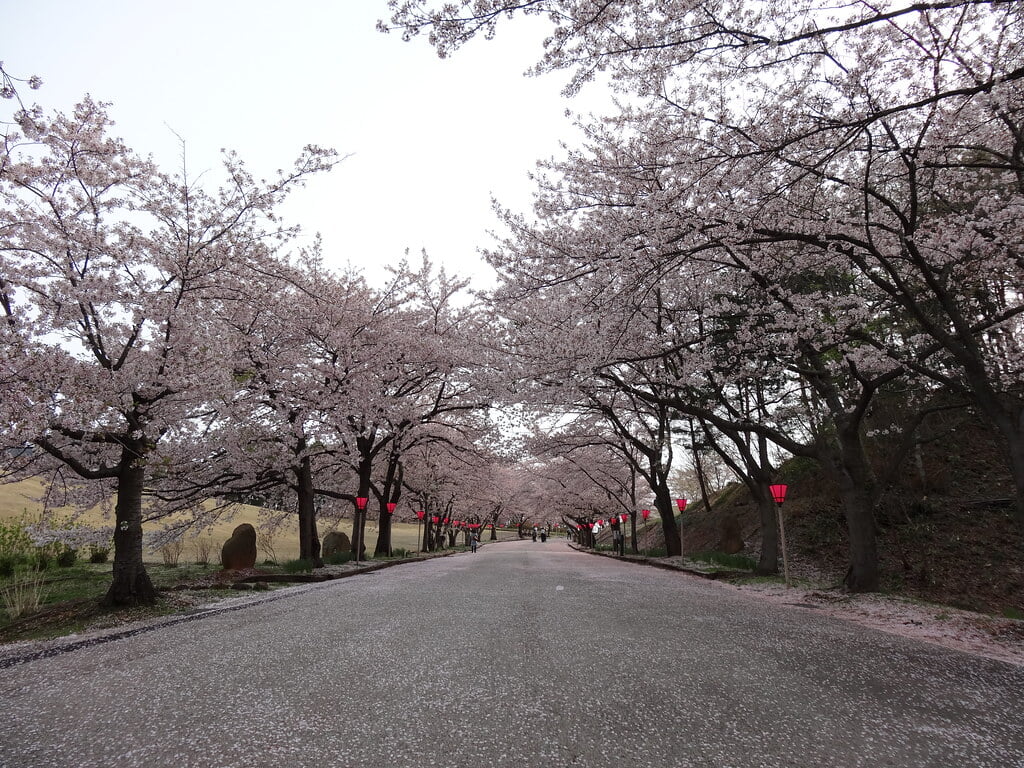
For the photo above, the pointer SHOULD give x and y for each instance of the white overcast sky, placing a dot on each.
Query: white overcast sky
(430, 140)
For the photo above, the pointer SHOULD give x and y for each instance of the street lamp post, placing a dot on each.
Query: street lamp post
(778, 493)
(360, 524)
(419, 541)
(391, 511)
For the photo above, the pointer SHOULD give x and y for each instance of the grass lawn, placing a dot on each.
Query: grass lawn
(20, 499)
(65, 600)
(68, 597)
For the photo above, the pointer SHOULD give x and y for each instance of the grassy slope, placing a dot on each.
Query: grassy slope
(945, 534)
(17, 499)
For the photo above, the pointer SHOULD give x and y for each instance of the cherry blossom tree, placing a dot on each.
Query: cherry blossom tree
(114, 277)
(848, 180)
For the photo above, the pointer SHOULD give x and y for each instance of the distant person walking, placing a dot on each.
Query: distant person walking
(473, 541)
(618, 540)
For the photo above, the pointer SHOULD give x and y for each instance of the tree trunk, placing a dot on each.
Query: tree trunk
(131, 584)
(391, 493)
(309, 539)
(698, 465)
(383, 545)
(359, 519)
(673, 537)
(855, 488)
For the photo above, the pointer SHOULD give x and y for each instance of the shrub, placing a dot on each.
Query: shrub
(204, 546)
(265, 541)
(67, 558)
(338, 558)
(98, 554)
(23, 597)
(15, 542)
(8, 563)
(171, 553)
(400, 552)
(297, 566)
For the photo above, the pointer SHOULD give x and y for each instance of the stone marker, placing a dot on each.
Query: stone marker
(336, 542)
(239, 552)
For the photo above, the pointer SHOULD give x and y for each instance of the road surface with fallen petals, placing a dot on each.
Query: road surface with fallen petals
(524, 654)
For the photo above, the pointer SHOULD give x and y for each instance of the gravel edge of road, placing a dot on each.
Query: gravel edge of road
(990, 637)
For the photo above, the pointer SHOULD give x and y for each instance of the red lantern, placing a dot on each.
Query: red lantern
(579, 526)
(645, 514)
(623, 518)
(778, 493)
(681, 503)
(434, 519)
(420, 513)
(391, 507)
(361, 502)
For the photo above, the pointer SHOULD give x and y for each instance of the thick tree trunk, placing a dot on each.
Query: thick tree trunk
(359, 519)
(131, 584)
(309, 539)
(673, 536)
(855, 483)
(383, 545)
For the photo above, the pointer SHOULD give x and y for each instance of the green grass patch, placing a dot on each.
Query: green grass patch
(739, 562)
(756, 579)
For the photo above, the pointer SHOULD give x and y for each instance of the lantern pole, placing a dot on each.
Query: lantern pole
(361, 518)
(778, 496)
(391, 529)
(681, 505)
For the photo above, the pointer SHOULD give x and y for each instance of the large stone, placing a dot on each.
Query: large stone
(335, 543)
(732, 536)
(239, 552)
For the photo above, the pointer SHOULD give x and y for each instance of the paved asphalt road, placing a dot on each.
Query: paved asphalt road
(524, 654)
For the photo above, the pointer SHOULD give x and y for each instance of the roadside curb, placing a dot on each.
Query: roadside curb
(655, 563)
